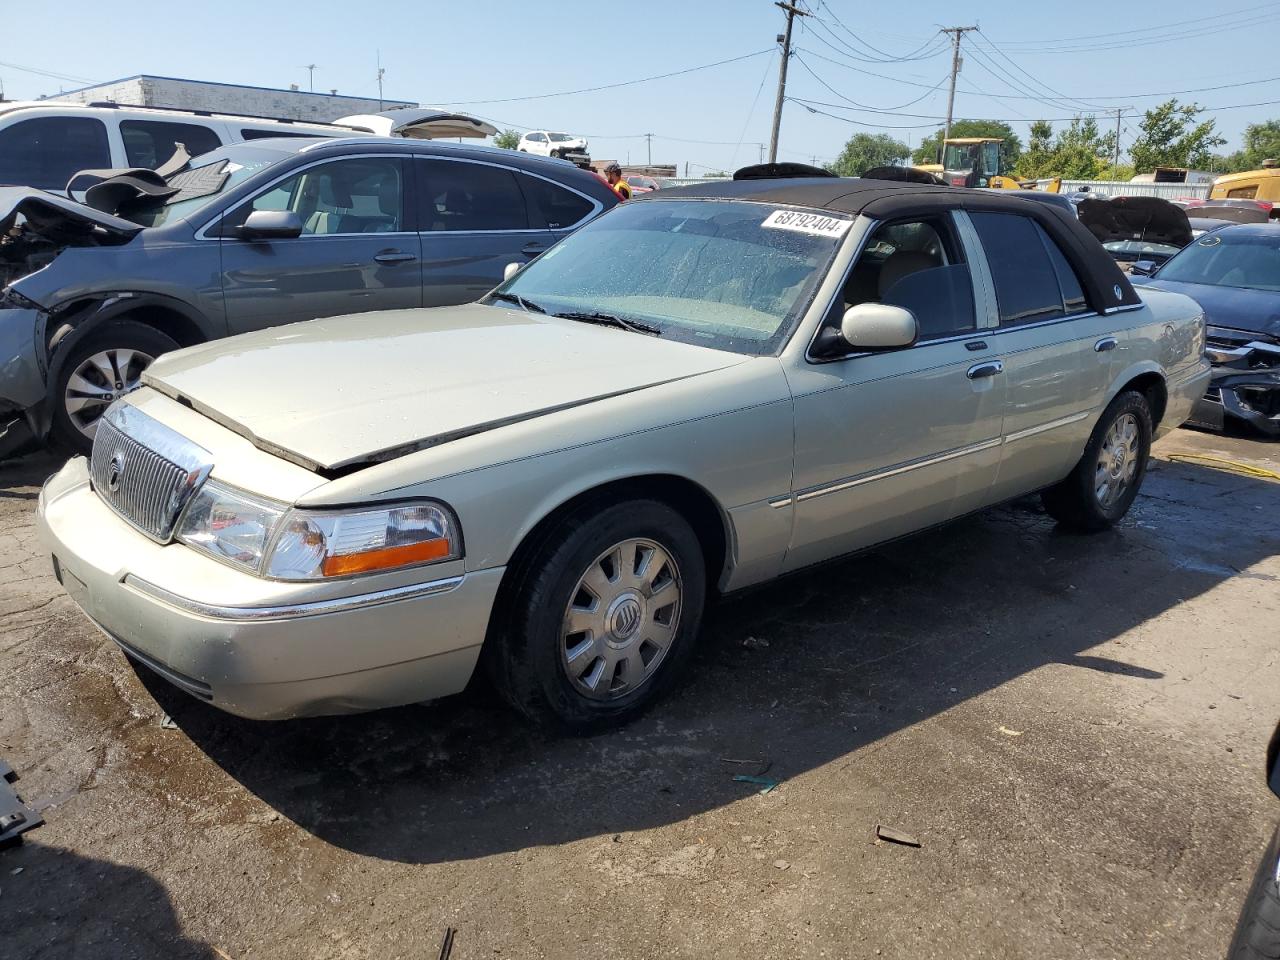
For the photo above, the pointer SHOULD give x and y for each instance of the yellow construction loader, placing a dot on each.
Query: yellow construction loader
(976, 162)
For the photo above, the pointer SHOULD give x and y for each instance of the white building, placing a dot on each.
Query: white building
(148, 91)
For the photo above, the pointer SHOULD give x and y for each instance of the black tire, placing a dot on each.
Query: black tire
(1258, 931)
(524, 654)
(1074, 502)
(115, 335)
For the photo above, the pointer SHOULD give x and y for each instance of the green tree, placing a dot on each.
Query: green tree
(507, 139)
(1010, 150)
(1171, 136)
(1261, 142)
(867, 150)
(1036, 160)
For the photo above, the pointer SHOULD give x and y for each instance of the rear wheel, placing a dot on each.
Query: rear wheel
(97, 370)
(1104, 484)
(604, 617)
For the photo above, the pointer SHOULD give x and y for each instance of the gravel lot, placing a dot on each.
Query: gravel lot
(1072, 727)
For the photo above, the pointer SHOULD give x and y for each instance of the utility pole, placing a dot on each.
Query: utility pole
(649, 142)
(311, 83)
(761, 146)
(380, 75)
(1120, 112)
(956, 62)
(792, 11)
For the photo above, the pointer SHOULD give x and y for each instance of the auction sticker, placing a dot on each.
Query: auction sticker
(814, 224)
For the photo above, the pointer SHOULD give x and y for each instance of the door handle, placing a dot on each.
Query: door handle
(395, 256)
(1105, 344)
(988, 369)
(533, 249)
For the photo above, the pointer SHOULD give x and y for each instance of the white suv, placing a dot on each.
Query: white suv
(548, 144)
(42, 143)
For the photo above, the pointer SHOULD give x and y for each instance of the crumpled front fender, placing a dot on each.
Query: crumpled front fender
(22, 375)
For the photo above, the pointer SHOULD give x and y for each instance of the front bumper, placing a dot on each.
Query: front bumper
(302, 652)
(1245, 386)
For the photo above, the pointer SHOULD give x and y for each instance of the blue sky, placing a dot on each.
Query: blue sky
(1027, 63)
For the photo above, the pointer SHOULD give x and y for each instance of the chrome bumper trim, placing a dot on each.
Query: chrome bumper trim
(313, 608)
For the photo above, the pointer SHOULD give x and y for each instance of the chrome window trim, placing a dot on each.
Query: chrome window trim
(978, 258)
(202, 234)
(596, 205)
(290, 611)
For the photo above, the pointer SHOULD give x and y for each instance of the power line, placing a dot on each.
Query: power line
(916, 54)
(1196, 34)
(1220, 16)
(613, 86)
(1039, 83)
(46, 73)
(800, 60)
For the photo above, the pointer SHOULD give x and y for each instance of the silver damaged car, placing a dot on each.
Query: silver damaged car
(702, 390)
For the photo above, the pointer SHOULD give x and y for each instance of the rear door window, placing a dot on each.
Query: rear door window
(45, 152)
(1073, 300)
(462, 196)
(1027, 288)
(149, 143)
(554, 205)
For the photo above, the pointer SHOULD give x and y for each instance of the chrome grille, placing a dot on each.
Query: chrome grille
(145, 471)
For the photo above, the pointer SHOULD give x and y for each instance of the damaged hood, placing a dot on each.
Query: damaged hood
(342, 391)
(1149, 219)
(59, 218)
(421, 123)
(1238, 308)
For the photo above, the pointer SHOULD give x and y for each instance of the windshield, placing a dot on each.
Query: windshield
(1224, 259)
(560, 137)
(210, 176)
(1140, 248)
(958, 156)
(732, 275)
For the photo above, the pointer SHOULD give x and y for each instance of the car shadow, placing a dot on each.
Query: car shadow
(61, 904)
(799, 673)
(28, 471)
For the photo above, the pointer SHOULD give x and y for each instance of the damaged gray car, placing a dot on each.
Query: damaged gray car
(250, 236)
(1234, 273)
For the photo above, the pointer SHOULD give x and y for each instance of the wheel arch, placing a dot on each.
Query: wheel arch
(1149, 380)
(703, 512)
(75, 319)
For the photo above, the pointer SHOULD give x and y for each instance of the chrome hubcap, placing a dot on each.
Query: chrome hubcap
(98, 382)
(1117, 461)
(621, 619)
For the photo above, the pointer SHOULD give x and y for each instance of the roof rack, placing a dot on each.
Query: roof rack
(112, 105)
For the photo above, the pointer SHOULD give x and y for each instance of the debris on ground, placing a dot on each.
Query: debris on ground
(446, 948)
(754, 643)
(221, 953)
(1009, 733)
(762, 765)
(782, 864)
(767, 782)
(166, 723)
(896, 836)
(16, 817)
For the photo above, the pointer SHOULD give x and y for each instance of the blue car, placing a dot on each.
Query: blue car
(1234, 273)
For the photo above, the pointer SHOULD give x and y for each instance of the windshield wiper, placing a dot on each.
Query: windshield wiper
(609, 320)
(527, 305)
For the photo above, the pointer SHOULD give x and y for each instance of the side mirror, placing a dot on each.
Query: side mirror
(271, 225)
(1143, 268)
(510, 270)
(879, 326)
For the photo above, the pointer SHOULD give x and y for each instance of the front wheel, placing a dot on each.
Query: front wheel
(1104, 484)
(604, 617)
(97, 370)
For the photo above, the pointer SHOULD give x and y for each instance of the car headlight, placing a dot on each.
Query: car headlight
(315, 544)
(231, 525)
(268, 538)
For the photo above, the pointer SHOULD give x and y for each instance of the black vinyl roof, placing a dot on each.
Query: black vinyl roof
(1106, 286)
(838, 194)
